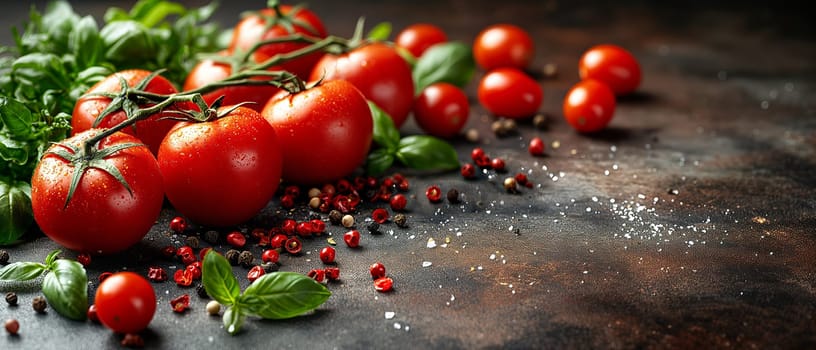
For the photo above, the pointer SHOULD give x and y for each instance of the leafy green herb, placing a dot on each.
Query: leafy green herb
(15, 210)
(450, 62)
(65, 284)
(380, 32)
(276, 295)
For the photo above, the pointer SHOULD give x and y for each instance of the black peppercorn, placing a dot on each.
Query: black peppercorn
(453, 196)
(232, 256)
(11, 298)
(335, 217)
(270, 267)
(211, 237)
(401, 220)
(39, 304)
(373, 227)
(246, 258)
(4, 257)
(192, 242)
(540, 121)
(202, 293)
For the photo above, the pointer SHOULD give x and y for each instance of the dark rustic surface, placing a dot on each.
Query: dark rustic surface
(689, 223)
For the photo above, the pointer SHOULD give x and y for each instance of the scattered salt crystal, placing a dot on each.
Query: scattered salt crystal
(426, 263)
(431, 243)
(389, 315)
(397, 325)
(492, 256)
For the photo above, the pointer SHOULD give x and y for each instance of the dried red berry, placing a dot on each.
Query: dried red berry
(181, 303)
(343, 186)
(318, 226)
(332, 273)
(293, 245)
(483, 162)
(84, 259)
(289, 226)
(327, 255)
(468, 171)
(403, 186)
(287, 201)
(156, 274)
(178, 224)
(195, 270)
(398, 202)
(168, 251)
(536, 146)
(521, 179)
(292, 190)
(183, 277)
(236, 239)
(203, 252)
(92, 315)
(278, 240)
(270, 256)
(12, 326)
(255, 272)
(383, 284)
(377, 270)
(380, 215)
(317, 275)
(132, 340)
(434, 194)
(304, 229)
(498, 164)
(352, 238)
(477, 153)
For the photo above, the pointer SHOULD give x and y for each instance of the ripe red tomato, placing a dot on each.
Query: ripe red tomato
(503, 45)
(257, 27)
(379, 72)
(209, 71)
(441, 110)
(418, 37)
(125, 302)
(221, 172)
(612, 65)
(325, 132)
(151, 130)
(508, 92)
(589, 106)
(103, 216)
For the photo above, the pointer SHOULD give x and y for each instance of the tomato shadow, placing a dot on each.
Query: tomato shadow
(638, 98)
(613, 134)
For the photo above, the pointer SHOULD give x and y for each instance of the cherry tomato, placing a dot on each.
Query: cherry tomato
(503, 45)
(589, 106)
(379, 72)
(418, 37)
(151, 130)
(103, 216)
(125, 302)
(266, 24)
(325, 132)
(612, 65)
(223, 172)
(210, 71)
(441, 110)
(508, 92)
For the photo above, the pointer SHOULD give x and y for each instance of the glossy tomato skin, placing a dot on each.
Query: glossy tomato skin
(612, 65)
(441, 110)
(223, 172)
(508, 92)
(102, 216)
(418, 37)
(325, 132)
(210, 71)
(151, 131)
(253, 29)
(589, 106)
(379, 72)
(125, 302)
(503, 45)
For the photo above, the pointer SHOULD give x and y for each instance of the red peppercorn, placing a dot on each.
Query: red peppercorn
(377, 270)
(403, 185)
(168, 251)
(388, 182)
(195, 270)
(398, 202)
(468, 171)
(236, 239)
(270, 256)
(434, 194)
(92, 315)
(521, 179)
(380, 215)
(536, 146)
(181, 303)
(292, 190)
(289, 226)
(156, 274)
(383, 284)
(183, 278)
(398, 177)
(84, 259)
(352, 238)
(104, 275)
(497, 164)
(287, 201)
(343, 186)
(178, 224)
(483, 162)
(255, 272)
(258, 233)
(278, 240)
(332, 273)
(293, 245)
(329, 190)
(304, 229)
(12, 326)
(327, 255)
(318, 226)
(317, 274)
(477, 153)
(203, 252)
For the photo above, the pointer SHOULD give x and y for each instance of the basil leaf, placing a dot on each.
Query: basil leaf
(218, 279)
(385, 132)
(380, 32)
(450, 62)
(379, 161)
(43, 70)
(85, 42)
(280, 295)
(16, 117)
(13, 151)
(233, 319)
(21, 271)
(128, 42)
(16, 215)
(427, 153)
(66, 289)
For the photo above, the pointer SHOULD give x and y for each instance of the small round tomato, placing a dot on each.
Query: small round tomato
(379, 72)
(612, 65)
(325, 132)
(508, 92)
(103, 216)
(151, 130)
(266, 24)
(125, 302)
(222, 172)
(503, 45)
(589, 106)
(441, 110)
(210, 71)
(418, 37)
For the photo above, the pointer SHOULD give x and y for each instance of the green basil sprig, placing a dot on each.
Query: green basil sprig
(421, 152)
(450, 62)
(277, 295)
(65, 284)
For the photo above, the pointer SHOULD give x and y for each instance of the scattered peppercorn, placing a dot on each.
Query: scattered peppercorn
(335, 217)
(510, 185)
(503, 127)
(84, 259)
(11, 298)
(550, 70)
(213, 308)
(313, 192)
(232, 256)
(270, 267)
(314, 203)
(92, 314)
(4, 257)
(468, 171)
(201, 291)
(317, 275)
(192, 241)
(472, 135)
(401, 220)
(39, 304)
(211, 237)
(178, 224)
(12, 326)
(246, 258)
(373, 227)
(236, 239)
(434, 194)
(104, 275)
(540, 121)
(536, 147)
(180, 303)
(132, 340)
(380, 215)
(453, 196)
(347, 221)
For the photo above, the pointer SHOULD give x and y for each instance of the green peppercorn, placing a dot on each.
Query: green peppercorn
(39, 304)
(401, 220)
(246, 258)
(232, 256)
(335, 217)
(4, 257)
(11, 298)
(211, 237)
